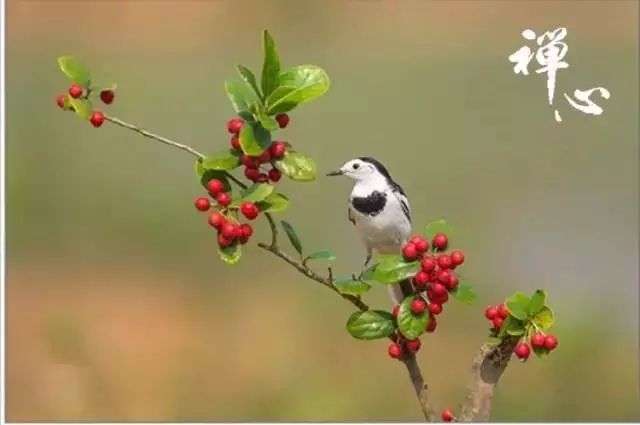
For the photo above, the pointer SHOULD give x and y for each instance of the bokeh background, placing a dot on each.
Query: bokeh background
(118, 307)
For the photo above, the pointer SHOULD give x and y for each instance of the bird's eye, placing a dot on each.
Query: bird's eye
(356, 166)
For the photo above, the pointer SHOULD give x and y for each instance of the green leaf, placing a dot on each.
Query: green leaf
(207, 174)
(74, 70)
(254, 139)
(350, 286)
(537, 302)
(393, 268)
(465, 292)
(411, 325)
(517, 305)
(298, 85)
(544, 319)
(249, 78)
(506, 324)
(257, 192)
(240, 95)
(276, 202)
(293, 237)
(437, 226)
(269, 123)
(82, 107)
(271, 64)
(540, 352)
(230, 254)
(322, 255)
(493, 340)
(371, 324)
(223, 161)
(297, 167)
(514, 327)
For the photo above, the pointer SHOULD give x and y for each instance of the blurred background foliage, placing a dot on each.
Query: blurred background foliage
(118, 307)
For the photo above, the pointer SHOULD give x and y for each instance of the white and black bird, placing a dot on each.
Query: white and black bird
(379, 209)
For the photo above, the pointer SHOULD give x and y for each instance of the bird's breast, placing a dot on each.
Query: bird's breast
(370, 205)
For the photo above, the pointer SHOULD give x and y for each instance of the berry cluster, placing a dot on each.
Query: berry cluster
(538, 340)
(230, 231)
(254, 166)
(432, 283)
(77, 92)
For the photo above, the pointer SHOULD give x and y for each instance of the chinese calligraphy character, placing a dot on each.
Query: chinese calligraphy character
(550, 56)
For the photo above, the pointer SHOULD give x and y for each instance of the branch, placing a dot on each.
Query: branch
(486, 369)
(487, 366)
(153, 136)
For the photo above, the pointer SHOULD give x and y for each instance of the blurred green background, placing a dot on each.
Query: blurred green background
(118, 307)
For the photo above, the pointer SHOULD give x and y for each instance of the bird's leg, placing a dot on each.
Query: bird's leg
(367, 260)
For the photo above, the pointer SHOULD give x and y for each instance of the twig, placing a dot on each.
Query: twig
(486, 369)
(154, 136)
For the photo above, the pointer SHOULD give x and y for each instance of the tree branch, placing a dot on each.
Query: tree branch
(486, 369)
(487, 366)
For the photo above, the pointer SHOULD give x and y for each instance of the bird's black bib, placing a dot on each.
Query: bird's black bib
(370, 205)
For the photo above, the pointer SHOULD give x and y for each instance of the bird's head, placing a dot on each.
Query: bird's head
(358, 169)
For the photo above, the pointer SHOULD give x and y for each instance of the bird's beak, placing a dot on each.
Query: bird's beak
(335, 173)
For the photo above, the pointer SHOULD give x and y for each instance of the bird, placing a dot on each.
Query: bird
(379, 210)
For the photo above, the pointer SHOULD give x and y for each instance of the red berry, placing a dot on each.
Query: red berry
(224, 242)
(75, 91)
(457, 257)
(249, 161)
(228, 230)
(202, 204)
(440, 241)
(447, 415)
(503, 311)
(410, 252)
(413, 345)
(252, 173)
(490, 312)
(215, 187)
(274, 175)
(443, 276)
(278, 149)
(264, 156)
(432, 325)
(421, 279)
(453, 282)
(283, 120)
(435, 308)
(418, 306)
(395, 351)
(438, 289)
(60, 100)
(550, 342)
(234, 125)
(537, 340)
(497, 322)
(97, 118)
(247, 230)
(217, 220)
(421, 244)
(444, 261)
(235, 143)
(107, 96)
(249, 210)
(223, 199)
(263, 178)
(438, 299)
(522, 350)
(396, 310)
(428, 264)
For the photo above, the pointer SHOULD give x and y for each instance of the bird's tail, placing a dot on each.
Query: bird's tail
(400, 291)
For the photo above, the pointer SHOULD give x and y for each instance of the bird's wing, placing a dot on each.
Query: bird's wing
(404, 203)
